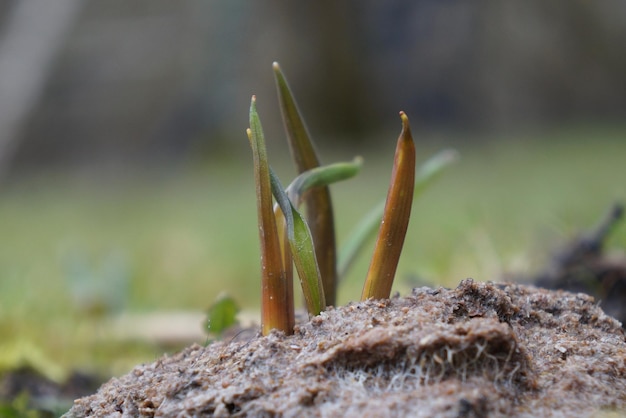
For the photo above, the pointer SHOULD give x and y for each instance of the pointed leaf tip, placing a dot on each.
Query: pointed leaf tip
(252, 109)
(405, 121)
(395, 218)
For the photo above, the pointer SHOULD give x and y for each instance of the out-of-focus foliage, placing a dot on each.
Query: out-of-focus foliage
(221, 315)
(18, 408)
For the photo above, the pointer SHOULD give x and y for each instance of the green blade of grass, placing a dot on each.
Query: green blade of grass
(366, 228)
(318, 203)
(395, 219)
(275, 309)
(302, 250)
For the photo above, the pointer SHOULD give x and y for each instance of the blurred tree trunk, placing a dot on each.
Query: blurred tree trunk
(33, 32)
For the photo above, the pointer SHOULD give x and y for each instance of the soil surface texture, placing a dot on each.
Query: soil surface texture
(480, 350)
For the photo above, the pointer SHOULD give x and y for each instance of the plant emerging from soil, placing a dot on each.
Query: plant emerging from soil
(288, 238)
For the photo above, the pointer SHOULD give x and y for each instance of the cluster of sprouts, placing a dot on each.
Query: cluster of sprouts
(288, 238)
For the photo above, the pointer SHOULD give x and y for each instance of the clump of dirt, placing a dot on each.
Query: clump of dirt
(479, 350)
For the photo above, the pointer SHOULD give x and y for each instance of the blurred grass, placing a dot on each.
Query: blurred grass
(175, 241)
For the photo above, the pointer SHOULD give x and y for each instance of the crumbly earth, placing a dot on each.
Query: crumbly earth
(480, 350)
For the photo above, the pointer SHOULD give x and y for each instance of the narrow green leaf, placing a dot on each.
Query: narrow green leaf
(321, 176)
(286, 224)
(318, 203)
(302, 250)
(366, 228)
(275, 310)
(395, 220)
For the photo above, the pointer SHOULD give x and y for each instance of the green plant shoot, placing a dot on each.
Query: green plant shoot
(318, 202)
(302, 250)
(297, 232)
(276, 310)
(395, 219)
(288, 239)
(284, 234)
(316, 177)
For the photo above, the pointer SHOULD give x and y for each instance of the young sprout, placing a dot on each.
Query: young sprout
(297, 231)
(301, 250)
(284, 234)
(318, 202)
(395, 219)
(276, 310)
(288, 239)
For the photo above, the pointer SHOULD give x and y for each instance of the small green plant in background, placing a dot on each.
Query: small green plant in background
(221, 315)
(287, 238)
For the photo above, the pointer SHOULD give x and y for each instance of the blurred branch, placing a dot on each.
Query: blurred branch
(34, 32)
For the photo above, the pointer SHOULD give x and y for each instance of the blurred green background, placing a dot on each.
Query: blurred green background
(126, 186)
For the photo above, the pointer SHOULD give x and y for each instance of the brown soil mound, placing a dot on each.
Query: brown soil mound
(479, 350)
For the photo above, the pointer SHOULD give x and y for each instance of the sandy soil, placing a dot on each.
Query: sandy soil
(480, 350)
